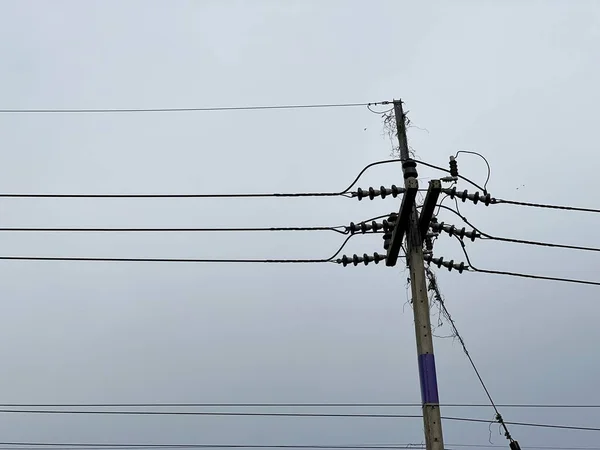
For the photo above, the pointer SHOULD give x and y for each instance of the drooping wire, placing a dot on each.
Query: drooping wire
(337, 229)
(522, 275)
(489, 169)
(439, 298)
(369, 107)
(192, 109)
(443, 169)
(186, 260)
(245, 195)
(518, 241)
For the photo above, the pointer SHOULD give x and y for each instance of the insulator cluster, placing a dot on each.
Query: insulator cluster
(356, 260)
(374, 226)
(453, 231)
(387, 236)
(486, 199)
(410, 169)
(447, 264)
(382, 192)
(453, 167)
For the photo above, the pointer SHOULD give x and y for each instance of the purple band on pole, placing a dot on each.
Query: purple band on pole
(429, 389)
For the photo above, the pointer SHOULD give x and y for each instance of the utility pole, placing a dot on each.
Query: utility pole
(415, 233)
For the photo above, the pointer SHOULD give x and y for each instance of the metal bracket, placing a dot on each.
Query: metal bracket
(406, 209)
(431, 199)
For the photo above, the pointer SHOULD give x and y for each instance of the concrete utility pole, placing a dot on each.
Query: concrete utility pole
(416, 228)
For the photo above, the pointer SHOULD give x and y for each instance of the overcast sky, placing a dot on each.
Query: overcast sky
(516, 81)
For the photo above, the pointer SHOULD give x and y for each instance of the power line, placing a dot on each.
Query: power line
(438, 296)
(523, 275)
(519, 241)
(337, 229)
(527, 424)
(344, 192)
(314, 415)
(518, 274)
(82, 446)
(38, 445)
(194, 109)
(543, 205)
(292, 405)
(489, 169)
(161, 260)
(183, 260)
(173, 446)
(443, 169)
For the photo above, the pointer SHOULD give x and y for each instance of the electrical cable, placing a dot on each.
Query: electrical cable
(337, 229)
(489, 169)
(527, 424)
(260, 195)
(196, 109)
(290, 405)
(337, 415)
(522, 275)
(184, 260)
(498, 201)
(518, 241)
(278, 446)
(443, 169)
(438, 296)
(397, 446)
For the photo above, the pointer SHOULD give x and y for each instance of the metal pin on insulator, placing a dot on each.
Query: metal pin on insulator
(486, 199)
(453, 231)
(447, 264)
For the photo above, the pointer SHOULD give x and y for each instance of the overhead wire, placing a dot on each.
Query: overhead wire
(338, 415)
(396, 446)
(234, 195)
(489, 169)
(522, 275)
(518, 274)
(338, 229)
(517, 241)
(439, 298)
(193, 109)
(498, 201)
(189, 260)
(443, 169)
(290, 405)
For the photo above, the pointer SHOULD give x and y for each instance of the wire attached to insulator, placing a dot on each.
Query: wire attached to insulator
(356, 260)
(447, 264)
(486, 199)
(374, 226)
(382, 192)
(453, 231)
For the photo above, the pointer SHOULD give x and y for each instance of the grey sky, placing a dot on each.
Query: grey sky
(512, 80)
